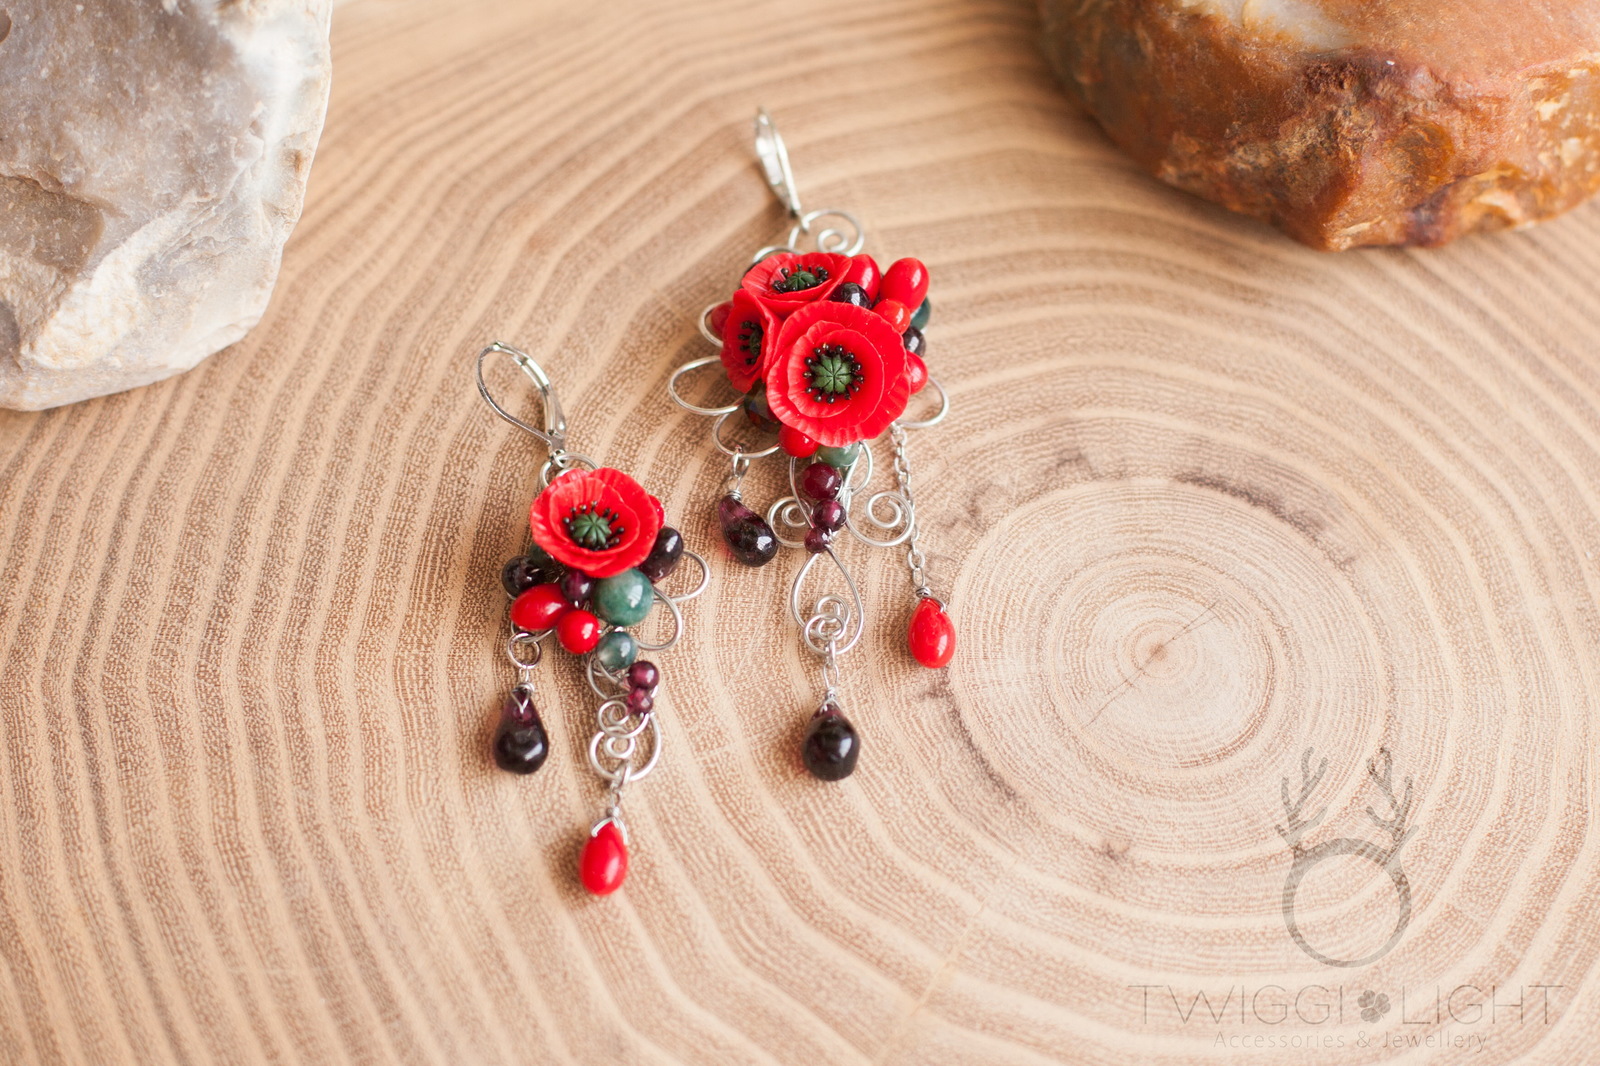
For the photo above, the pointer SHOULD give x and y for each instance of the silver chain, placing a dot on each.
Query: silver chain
(916, 561)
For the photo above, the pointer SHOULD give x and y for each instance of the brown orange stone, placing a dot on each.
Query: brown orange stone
(1348, 122)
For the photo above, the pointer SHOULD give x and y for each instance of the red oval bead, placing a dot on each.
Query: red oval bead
(906, 280)
(864, 272)
(931, 634)
(604, 862)
(538, 609)
(578, 631)
(895, 313)
(795, 443)
(916, 373)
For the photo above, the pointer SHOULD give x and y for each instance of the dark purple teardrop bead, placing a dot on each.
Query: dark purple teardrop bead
(664, 556)
(831, 745)
(749, 537)
(520, 743)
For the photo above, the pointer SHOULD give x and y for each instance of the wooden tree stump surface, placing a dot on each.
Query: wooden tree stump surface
(1205, 500)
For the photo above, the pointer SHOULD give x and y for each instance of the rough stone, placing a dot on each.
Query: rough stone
(1348, 122)
(153, 160)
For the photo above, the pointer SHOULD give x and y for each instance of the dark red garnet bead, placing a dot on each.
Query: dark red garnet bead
(664, 556)
(821, 481)
(644, 674)
(577, 586)
(749, 538)
(818, 539)
(520, 743)
(604, 862)
(521, 574)
(931, 634)
(829, 514)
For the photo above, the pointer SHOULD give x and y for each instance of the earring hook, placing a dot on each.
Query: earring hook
(554, 432)
(774, 156)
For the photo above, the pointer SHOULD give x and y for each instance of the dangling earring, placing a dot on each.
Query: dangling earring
(601, 551)
(828, 353)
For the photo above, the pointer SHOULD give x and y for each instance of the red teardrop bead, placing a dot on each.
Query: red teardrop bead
(931, 634)
(604, 862)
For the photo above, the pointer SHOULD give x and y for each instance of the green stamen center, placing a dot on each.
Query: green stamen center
(832, 373)
(593, 527)
(799, 279)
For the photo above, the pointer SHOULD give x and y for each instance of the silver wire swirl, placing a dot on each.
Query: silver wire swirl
(627, 742)
(832, 240)
(705, 325)
(689, 367)
(833, 620)
(938, 416)
(677, 625)
(735, 451)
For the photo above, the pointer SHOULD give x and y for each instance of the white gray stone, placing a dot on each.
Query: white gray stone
(153, 160)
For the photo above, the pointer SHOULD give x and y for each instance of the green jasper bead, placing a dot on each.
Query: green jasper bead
(919, 317)
(623, 599)
(840, 458)
(616, 651)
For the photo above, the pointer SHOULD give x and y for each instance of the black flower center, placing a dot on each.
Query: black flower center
(593, 527)
(832, 373)
(750, 334)
(799, 279)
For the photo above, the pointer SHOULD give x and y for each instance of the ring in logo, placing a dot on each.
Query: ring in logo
(1384, 856)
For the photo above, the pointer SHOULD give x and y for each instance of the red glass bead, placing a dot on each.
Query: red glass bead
(795, 443)
(864, 272)
(906, 280)
(916, 373)
(604, 862)
(578, 631)
(931, 634)
(539, 608)
(895, 313)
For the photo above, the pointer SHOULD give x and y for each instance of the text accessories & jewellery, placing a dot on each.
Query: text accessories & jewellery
(601, 552)
(828, 352)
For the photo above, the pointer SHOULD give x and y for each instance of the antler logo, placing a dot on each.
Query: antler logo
(1380, 769)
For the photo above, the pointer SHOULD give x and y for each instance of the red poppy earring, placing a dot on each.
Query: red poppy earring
(828, 352)
(601, 552)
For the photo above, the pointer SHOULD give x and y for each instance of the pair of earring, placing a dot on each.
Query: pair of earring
(827, 353)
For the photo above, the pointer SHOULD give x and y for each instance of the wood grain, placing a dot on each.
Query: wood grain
(1207, 499)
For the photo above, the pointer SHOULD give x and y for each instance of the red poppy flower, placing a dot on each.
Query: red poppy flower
(748, 334)
(837, 374)
(597, 521)
(786, 282)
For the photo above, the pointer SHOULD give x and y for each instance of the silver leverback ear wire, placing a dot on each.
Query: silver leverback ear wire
(774, 157)
(554, 433)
